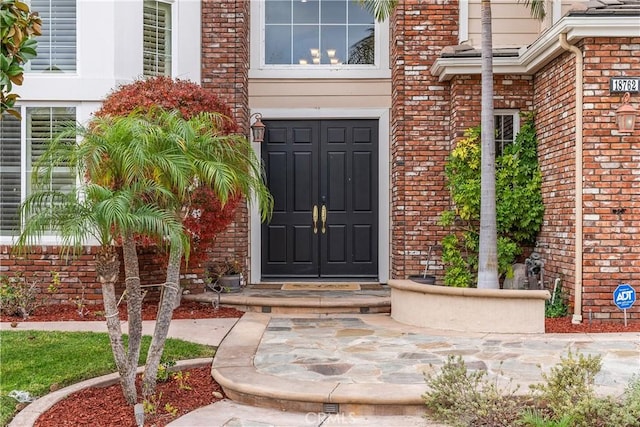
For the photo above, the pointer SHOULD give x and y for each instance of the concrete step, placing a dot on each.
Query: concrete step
(316, 298)
(233, 368)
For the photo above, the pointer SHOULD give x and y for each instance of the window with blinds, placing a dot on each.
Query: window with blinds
(10, 186)
(507, 127)
(156, 38)
(56, 47)
(41, 125)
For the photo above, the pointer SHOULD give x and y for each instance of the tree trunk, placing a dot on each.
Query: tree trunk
(134, 304)
(108, 269)
(169, 298)
(488, 250)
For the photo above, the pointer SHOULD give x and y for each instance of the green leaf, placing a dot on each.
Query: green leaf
(4, 63)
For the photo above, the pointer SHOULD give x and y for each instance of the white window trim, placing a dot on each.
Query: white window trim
(65, 74)
(258, 69)
(516, 119)
(463, 12)
(80, 112)
(173, 42)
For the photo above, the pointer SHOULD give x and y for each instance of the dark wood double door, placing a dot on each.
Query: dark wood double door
(323, 175)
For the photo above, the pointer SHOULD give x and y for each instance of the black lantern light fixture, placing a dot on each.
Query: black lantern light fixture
(257, 128)
(626, 115)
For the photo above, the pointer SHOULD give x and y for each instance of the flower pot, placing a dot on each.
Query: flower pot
(230, 283)
(424, 279)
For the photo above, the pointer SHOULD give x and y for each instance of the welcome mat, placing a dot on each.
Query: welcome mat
(321, 287)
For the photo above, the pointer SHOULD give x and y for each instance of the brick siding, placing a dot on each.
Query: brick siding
(225, 70)
(611, 162)
(427, 117)
(420, 130)
(78, 274)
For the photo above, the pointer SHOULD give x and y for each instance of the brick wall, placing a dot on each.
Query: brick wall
(511, 92)
(78, 274)
(225, 68)
(611, 170)
(420, 130)
(554, 101)
(611, 176)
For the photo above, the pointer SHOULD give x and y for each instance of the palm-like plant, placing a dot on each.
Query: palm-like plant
(137, 173)
(225, 163)
(106, 212)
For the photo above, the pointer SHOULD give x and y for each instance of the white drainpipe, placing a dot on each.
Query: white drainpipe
(577, 306)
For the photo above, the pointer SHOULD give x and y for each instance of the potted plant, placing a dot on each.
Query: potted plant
(225, 276)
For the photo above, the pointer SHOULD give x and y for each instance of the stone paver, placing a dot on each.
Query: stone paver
(361, 358)
(376, 349)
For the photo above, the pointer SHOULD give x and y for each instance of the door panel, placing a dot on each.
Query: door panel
(330, 164)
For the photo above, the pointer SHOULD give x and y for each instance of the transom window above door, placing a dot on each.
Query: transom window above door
(317, 38)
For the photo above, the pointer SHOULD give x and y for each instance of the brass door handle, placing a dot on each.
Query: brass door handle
(314, 215)
(323, 215)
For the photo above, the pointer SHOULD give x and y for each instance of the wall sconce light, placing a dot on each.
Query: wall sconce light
(257, 128)
(626, 115)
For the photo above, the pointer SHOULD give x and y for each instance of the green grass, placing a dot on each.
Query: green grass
(34, 360)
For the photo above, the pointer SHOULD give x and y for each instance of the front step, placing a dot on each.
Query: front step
(234, 369)
(370, 298)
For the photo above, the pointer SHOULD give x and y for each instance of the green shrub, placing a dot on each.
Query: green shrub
(462, 398)
(519, 207)
(565, 398)
(569, 382)
(568, 391)
(20, 296)
(536, 418)
(556, 306)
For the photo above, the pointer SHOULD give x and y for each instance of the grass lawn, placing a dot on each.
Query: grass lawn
(34, 360)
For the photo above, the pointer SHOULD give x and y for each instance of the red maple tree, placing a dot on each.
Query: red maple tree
(207, 215)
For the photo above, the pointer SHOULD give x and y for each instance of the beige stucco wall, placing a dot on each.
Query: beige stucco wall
(319, 93)
(468, 309)
(511, 23)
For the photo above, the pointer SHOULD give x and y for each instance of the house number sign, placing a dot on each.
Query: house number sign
(624, 84)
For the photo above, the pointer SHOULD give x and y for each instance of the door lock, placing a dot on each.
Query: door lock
(314, 216)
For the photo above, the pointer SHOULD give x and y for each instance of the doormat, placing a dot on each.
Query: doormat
(321, 287)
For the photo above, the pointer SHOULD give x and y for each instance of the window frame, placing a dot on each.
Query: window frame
(28, 68)
(25, 164)
(169, 42)
(258, 68)
(515, 115)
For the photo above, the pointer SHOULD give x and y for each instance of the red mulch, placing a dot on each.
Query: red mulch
(105, 407)
(563, 325)
(60, 312)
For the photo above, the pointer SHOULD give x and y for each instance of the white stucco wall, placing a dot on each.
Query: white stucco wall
(109, 53)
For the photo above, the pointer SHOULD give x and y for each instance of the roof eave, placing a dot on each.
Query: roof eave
(544, 49)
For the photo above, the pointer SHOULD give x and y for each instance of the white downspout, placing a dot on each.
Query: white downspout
(577, 306)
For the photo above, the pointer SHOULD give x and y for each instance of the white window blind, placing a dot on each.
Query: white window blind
(57, 46)
(42, 126)
(10, 186)
(157, 38)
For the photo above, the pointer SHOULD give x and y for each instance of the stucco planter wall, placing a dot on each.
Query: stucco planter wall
(468, 309)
